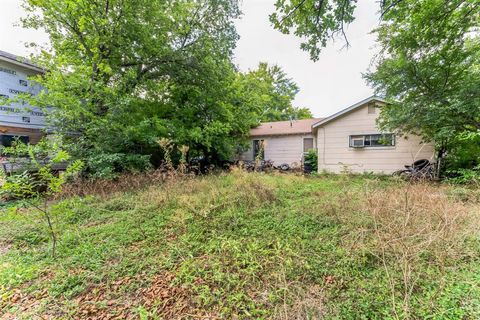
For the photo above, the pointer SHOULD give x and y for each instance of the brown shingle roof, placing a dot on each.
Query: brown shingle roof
(284, 127)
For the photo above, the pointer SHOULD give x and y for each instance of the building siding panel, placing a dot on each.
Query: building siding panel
(17, 114)
(33, 134)
(335, 155)
(280, 149)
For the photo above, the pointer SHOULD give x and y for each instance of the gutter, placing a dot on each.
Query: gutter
(16, 61)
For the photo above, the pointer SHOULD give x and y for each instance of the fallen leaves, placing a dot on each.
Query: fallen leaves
(161, 297)
(120, 299)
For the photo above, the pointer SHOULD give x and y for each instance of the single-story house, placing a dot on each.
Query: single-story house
(283, 141)
(348, 140)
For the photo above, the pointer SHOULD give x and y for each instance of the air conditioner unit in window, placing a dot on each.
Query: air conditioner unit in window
(358, 142)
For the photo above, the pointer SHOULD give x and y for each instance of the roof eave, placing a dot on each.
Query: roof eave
(279, 134)
(22, 64)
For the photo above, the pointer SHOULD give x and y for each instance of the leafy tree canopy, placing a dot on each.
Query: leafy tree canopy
(316, 21)
(269, 89)
(429, 68)
(123, 74)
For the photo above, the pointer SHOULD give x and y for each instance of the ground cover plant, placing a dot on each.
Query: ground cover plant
(251, 246)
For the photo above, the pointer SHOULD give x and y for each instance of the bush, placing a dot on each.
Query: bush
(462, 162)
(311, 160)
(465, 176)
(111, 165)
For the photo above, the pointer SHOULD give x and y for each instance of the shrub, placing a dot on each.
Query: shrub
(462, 162)
(311, 159)
(465, 176)
(111, 165)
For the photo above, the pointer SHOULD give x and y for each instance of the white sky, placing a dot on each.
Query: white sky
(326, 86)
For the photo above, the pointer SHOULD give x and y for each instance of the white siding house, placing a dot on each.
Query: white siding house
(348, 141)
(351, 141)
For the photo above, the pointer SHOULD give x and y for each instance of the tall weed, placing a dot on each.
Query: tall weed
(416, 229)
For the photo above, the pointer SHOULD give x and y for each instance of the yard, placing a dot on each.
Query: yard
(241, 245)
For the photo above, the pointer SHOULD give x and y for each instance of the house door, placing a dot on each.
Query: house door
(258, 150)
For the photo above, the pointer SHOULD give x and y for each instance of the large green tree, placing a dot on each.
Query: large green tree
(429, 69)
(270, 92)
(122, 74)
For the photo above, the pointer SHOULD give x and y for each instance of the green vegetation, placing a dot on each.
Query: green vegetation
(123, 74)
(428, 67)
(251, 246)
(269, 90)
(36, 180)
(315, 21)
(311, 159)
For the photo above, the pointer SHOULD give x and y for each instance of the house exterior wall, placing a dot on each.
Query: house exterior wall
(17, 118)
(34, 135)
(335, 154)
(17, 114)
(280, 149)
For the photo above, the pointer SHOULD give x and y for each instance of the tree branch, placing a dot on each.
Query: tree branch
(390, 6)
(288, 15)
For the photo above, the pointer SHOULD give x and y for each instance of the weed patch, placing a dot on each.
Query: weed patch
(256, 245)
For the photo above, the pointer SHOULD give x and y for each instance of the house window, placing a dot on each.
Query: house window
(23, 83)
(372, 140)
(6, 140)
(258, 149)
(26, 119)
(307, 144)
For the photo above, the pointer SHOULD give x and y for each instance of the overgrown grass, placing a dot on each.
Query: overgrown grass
(251, 246)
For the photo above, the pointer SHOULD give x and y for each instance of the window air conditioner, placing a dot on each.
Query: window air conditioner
(358, 142)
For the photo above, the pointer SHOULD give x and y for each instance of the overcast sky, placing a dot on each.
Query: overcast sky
(326, 86)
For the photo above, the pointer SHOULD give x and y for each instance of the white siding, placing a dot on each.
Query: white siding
(335, 155)
(12, 115)
(280, 149)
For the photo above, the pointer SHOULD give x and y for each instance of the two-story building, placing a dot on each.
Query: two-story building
(17, 119)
